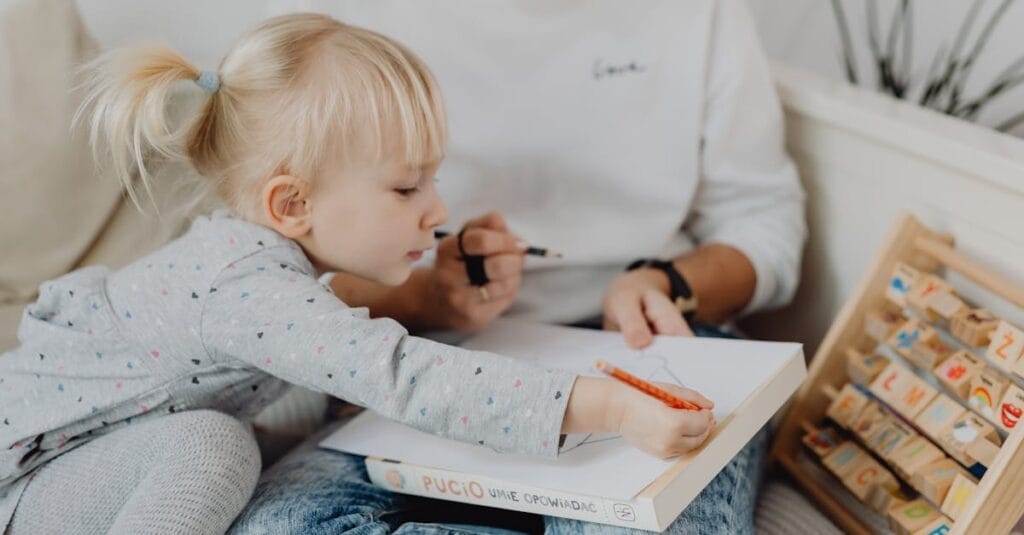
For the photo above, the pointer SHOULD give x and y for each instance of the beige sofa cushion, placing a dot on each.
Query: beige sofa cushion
(57, 213)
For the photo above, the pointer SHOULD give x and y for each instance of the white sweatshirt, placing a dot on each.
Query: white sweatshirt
(609, 131)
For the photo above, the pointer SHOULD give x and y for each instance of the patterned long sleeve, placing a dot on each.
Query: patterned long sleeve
(269, 311)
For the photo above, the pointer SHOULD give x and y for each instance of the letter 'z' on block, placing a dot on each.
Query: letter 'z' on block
(1006, 346)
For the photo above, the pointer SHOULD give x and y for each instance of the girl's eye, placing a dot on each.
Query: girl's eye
(406, 192)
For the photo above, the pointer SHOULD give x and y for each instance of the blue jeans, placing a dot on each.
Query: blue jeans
(320, 491)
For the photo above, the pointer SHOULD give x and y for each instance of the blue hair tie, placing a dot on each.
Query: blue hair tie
(209, 81)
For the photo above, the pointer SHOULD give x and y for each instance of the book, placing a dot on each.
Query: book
(596, 478)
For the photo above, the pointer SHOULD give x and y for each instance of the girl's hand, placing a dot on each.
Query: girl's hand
(637, 304)
(600, 405)
(653, 427)
(466, 307)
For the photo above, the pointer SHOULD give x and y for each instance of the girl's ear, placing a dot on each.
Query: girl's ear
(286, 206)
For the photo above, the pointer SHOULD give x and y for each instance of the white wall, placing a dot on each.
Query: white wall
(863, 158)
(803, 33)
(202, 30)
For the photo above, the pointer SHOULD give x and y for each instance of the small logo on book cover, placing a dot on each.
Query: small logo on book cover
(624, 512)
(395, 479)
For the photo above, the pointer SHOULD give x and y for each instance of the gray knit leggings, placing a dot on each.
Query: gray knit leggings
(188, 472)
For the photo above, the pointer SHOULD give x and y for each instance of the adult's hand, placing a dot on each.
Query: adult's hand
(461, 305)
(637, 304)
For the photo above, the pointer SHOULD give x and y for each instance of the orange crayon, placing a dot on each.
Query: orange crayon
(644, 386)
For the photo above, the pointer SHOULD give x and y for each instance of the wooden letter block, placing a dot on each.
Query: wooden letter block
(844, 459)
(892, 382)
(1006, 346)
(1010, 408)
(885, 496)
(959, 496)
(847, 405)
(925, 289)
(938, 415)
(916, 395)
(987, 389)
(880, 324)
(869, 474)
(929, 352)
(962, 433)
(887, 440)
(958, 371)
(973, 327)
(917, 452)
(821, 441)
(909, 517)
(934, 480)
(907, 335)
(1019, 368)
(900, 284)
(946, 305)
(939, 526)
(863, 369)
(869, 420)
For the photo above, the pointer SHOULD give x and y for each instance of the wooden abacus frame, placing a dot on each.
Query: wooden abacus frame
(995, 507)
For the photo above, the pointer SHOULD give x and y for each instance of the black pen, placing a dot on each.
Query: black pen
(531, 250)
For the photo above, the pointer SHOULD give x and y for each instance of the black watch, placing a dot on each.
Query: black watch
(678, 291)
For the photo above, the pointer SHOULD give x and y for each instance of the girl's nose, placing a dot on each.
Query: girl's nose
(436, 214)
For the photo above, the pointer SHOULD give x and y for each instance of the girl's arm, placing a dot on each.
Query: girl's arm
(269, 312)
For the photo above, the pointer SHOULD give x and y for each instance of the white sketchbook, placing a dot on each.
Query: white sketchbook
(599, 478)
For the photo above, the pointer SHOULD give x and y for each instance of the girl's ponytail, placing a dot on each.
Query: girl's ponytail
(294, 93)
(128, 91)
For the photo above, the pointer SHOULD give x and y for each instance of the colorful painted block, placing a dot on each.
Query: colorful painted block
(934, 480)
(957, 372)
(844, 459)
(870, 473)
(916, 395)
(925, 289)
(1011, 407)
(915, 453)
(907, 335)
(946, 305)
(869, 420)
(900, 284)
(987, 389)
(1019, 368)
(1005, 349)
(888, 438)
(883, 497)
(864, 368)
(959, 496)
(939, 526)
(892, 382)
(821, 441)
(973, 327)
(911, 516)
(938, 415)
(847, 405)
(881, 323)
(929, 352)
(961, 433)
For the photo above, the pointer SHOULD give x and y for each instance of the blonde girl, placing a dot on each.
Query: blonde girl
(123, 408)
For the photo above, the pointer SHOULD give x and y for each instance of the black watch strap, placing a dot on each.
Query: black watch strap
(679, 291)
